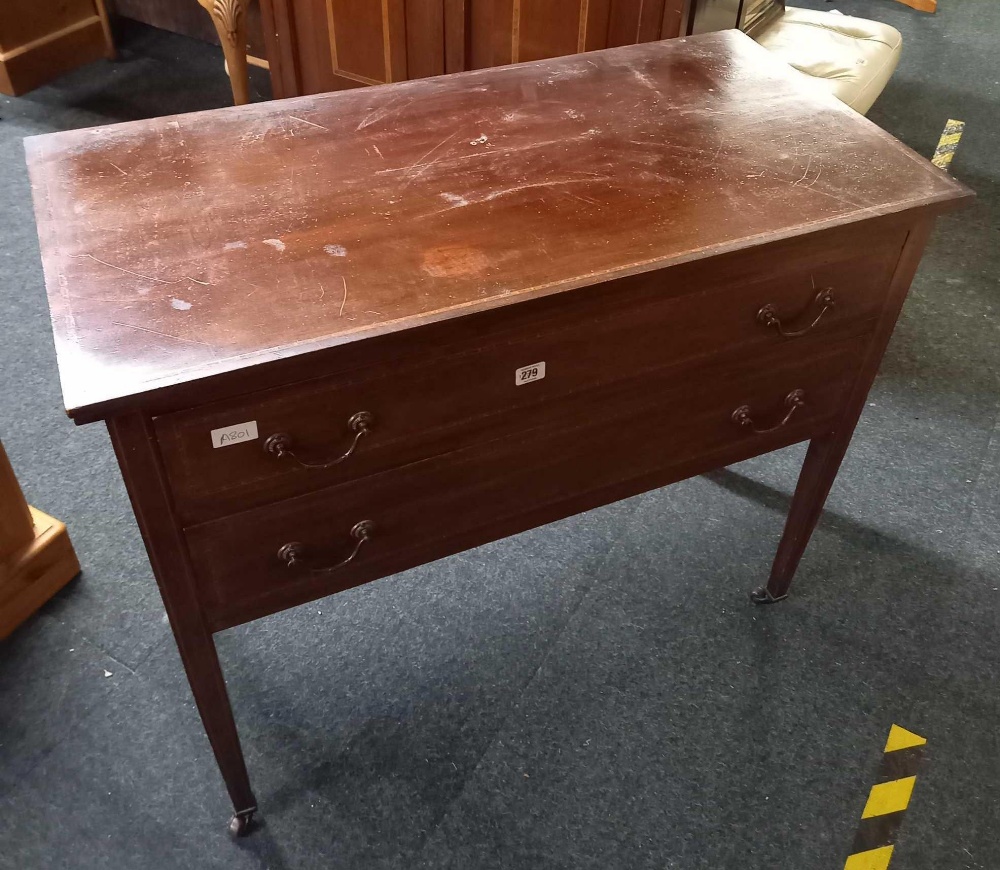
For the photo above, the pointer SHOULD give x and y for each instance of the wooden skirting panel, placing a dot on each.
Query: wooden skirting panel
(921, 5)
(27, 66)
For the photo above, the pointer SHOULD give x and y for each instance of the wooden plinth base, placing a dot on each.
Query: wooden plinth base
(920, 5)
(33, 574)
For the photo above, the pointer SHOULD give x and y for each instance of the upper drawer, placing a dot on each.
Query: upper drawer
(318, 433)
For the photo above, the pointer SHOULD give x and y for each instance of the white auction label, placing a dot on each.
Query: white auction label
(229, 435)
(527, 374)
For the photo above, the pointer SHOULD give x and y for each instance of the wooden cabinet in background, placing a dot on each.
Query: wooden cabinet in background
(41, 39)
(327, 45)
(514, 31)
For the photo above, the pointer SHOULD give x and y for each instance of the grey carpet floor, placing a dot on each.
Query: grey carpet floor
(597, 693)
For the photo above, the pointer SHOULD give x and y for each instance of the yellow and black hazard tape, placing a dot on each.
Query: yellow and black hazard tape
(948, 144)
(887, 801)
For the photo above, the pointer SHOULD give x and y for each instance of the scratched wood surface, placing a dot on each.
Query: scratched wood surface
(179, 248)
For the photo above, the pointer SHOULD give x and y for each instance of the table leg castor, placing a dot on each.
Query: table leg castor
(760, 595)
(241, 823)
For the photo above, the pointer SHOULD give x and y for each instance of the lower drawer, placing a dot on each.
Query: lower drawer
(292, 551)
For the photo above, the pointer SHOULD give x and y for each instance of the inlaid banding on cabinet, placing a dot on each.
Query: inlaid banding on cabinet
(581, 40)
(367, 40)
(386, 41)
(515, 32)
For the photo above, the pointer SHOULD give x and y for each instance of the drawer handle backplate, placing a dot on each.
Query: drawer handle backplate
(295, 555)
(769, 318)
(793, 401)
(280, 444)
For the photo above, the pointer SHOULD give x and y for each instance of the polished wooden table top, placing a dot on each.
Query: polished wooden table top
(180, 248)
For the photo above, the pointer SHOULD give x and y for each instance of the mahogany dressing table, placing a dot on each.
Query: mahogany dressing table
(399, 322)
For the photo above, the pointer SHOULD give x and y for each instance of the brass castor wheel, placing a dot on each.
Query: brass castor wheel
(241, 823)
(760, 595)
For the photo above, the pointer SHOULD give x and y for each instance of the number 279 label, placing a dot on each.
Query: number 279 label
(527, 374)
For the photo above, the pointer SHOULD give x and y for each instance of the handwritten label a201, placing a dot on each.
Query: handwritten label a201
(237, 434)
(527, 374)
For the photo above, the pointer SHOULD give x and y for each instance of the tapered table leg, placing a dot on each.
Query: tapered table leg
(134, 444)
(827, 450)
(204, 673)
(818, 473)
(230, 20)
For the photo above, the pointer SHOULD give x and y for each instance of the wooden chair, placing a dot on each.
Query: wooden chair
(230, 20)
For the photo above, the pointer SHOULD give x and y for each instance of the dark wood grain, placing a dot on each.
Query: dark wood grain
(596, 24)
(457, 35)
(425, 221)
(278, 25)
(674, 12)
(424, 39)
(546, 28)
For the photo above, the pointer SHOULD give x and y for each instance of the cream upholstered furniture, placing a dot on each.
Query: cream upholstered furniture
(852, 58)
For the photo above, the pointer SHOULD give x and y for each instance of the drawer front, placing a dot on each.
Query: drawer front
(677, 426)
(334, 430)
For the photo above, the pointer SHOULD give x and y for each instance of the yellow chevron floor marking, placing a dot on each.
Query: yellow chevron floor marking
(887, 800)
(889, 797)
(876, 859)
(900, 738)
(948, 144)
